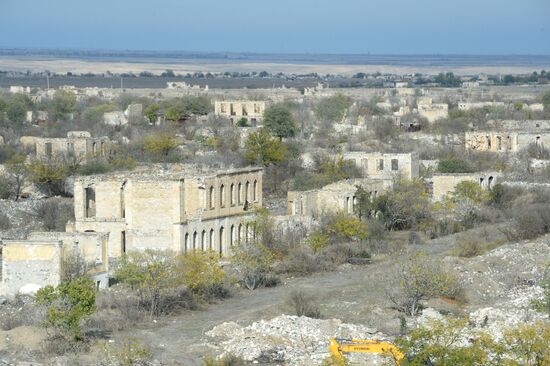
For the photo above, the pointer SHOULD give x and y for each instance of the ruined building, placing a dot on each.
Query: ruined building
(335, 197)
(445, 183)
(78, 144)
(385, 166)
(432, 111)
(235, 110)
(182, 208)
(41, 260)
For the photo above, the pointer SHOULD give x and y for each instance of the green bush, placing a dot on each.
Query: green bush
(453, 165)
(6, 188)
(68, 305)
(318, 241)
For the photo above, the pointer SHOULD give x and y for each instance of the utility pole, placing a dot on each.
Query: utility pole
(48, 80)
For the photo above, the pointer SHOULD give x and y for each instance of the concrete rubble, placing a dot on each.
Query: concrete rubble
(290, 340)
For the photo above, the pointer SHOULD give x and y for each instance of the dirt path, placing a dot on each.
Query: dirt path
(354, 294)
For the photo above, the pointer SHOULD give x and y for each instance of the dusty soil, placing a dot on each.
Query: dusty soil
(354, 294)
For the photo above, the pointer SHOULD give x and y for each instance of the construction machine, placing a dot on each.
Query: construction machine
(338, 346)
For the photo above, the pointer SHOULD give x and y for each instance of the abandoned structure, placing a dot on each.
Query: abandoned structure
(235, 110)
(180, 208)
(445, 183)
(41, 260)
(132, 114)
(335, 197)
(505, 141)
(77, 144)
(385, 166)
(432, 111)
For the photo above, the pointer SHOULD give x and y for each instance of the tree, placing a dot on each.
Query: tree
(150, 272)
(16, 166)
(68, 305)
(202, 273)
(333, 108)
(159, 143)
(279, 121)
(449, 342)
(471, 191)
(64, 102)
(49, 176)
(151, 112)
(404, 207)
(420, 278)
(262, 149)
(453, 165)
(252, 261)
(16, 111)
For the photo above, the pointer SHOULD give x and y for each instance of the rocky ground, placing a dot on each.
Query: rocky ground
(502, 285)
(20, 216)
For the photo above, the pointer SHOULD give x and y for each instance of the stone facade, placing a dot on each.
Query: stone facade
(443, 184)
(77, 144)
(466, 106)
(336, 197)
(385, 166)
(432, 111)
(505, 141)
(179, 209)
(235, 110)
(28, 265)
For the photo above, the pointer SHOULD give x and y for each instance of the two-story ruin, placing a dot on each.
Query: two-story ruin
(78, 144)
(385, 166)
(235, 110)
(179, 208)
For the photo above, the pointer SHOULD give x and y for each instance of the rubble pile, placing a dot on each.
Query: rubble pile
(291, 340)
(498, 274)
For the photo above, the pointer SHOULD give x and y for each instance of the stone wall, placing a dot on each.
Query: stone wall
(77, 143)
(28, 265)
(160, 212)
(235, 110)
(504, 141)
(336, 197)
(443, 184)
(385, 166)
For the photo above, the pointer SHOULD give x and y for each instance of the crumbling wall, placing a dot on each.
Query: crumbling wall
(385, 166)
(443, 184)
(29, 265)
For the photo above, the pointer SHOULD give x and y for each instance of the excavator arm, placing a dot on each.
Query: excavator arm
(338, 346)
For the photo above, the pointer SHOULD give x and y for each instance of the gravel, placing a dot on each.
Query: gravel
(291, 340)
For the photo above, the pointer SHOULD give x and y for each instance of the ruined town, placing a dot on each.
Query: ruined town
(298, 211)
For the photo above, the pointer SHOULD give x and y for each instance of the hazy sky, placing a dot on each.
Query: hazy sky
(297, 26)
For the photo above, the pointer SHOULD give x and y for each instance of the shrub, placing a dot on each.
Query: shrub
(94, 167)
(202, 274)
(50, 176)
(54, 214)
(128, 353)
(421, 278)
(347, 227)
(318, 241)
(530, 221)
(68, 305)
(252, 261)
(303, 304)
(302, 261)
(453, 165)
(159, 144)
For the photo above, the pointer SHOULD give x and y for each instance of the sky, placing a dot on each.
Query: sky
(281, 26)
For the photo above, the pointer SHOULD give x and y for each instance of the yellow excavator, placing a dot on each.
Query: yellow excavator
(338, 346)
